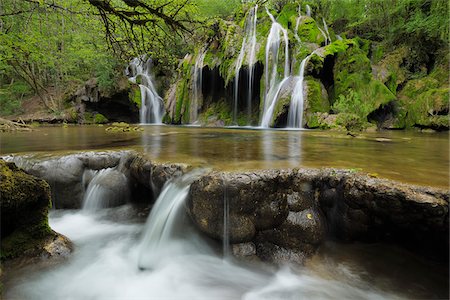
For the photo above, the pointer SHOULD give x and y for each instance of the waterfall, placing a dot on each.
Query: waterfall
(295, 116)
(226, 218)
(106, 188)
(197, 85)
(272, 84)
(308, 10)
(250, 35)
(251, 61)
(166, 232)
(326, 31)
(152, 105)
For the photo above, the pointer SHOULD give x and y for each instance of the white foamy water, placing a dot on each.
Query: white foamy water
(104, 265)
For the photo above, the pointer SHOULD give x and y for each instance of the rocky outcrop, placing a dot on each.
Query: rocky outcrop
(95, 105)
(274, 215)
(24, 203)
(285, 215)
(70, 175)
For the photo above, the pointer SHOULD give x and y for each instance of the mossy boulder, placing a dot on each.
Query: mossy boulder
(355, 90)
(316, 99)
(391, 71)
(25, 201)
(308, 31)
(424, 102)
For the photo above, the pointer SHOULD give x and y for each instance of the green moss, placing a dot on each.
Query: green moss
(100, 119)
(391, 71)
(88, 117)
(356, 92)
(219, 111)
(425, 101)
(288, 15)
(135, 96)
(24, 204)
(309, 32)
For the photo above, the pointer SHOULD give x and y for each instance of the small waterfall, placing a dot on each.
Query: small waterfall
(237, 69)
(308, 10)
(226, 225)
(251, 60)
(295, 116)
(152, 105)
(197, 85)
(325, 26)
(272, 83)
(106, 188)
(250, 36)
(268, 113)
(166, 231)
(339, 37)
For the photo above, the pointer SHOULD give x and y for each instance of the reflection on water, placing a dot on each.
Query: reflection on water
(104, 266)
(421, 158)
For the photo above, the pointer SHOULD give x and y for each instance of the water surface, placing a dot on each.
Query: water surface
(419, 158)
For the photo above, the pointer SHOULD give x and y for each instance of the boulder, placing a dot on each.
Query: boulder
(24, 207)
(288, 214)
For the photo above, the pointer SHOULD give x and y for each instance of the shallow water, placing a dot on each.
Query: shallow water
(419, 158)
(105, 266)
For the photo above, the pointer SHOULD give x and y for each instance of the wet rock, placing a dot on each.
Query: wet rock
(278, 255)
(244, 249)
(24, 204)
(65, 173)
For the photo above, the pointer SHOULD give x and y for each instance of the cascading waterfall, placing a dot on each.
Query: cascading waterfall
(325, 26)
(251, 60)
(166, 230)
(308, 10)
(272, 83)
(152, 105)
(250, 36)
(197, 85)
(106, 188)
(295, 116)
(226, 218)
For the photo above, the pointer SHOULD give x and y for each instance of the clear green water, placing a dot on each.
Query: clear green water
(419, 158)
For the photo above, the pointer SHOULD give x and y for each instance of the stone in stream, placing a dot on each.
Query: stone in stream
(287, 214)
(25, 234)
(281, 213)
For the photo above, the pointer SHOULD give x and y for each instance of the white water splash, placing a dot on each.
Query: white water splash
(152, 105)
(166, 234)
(107, 188)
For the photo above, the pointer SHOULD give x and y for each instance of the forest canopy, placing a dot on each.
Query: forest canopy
(47, 47)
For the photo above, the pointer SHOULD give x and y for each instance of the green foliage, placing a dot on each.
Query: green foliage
(214, 8)
(100, 119)
(11, 96)
(50, 48)
(421, 25)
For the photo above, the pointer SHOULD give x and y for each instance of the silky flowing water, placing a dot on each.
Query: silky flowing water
(108, 245)
(119, 256)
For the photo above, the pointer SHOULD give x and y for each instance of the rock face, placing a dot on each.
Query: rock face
(24, 204)
(264, 209)
(69, 176)
(115, 106)
(285, 215)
